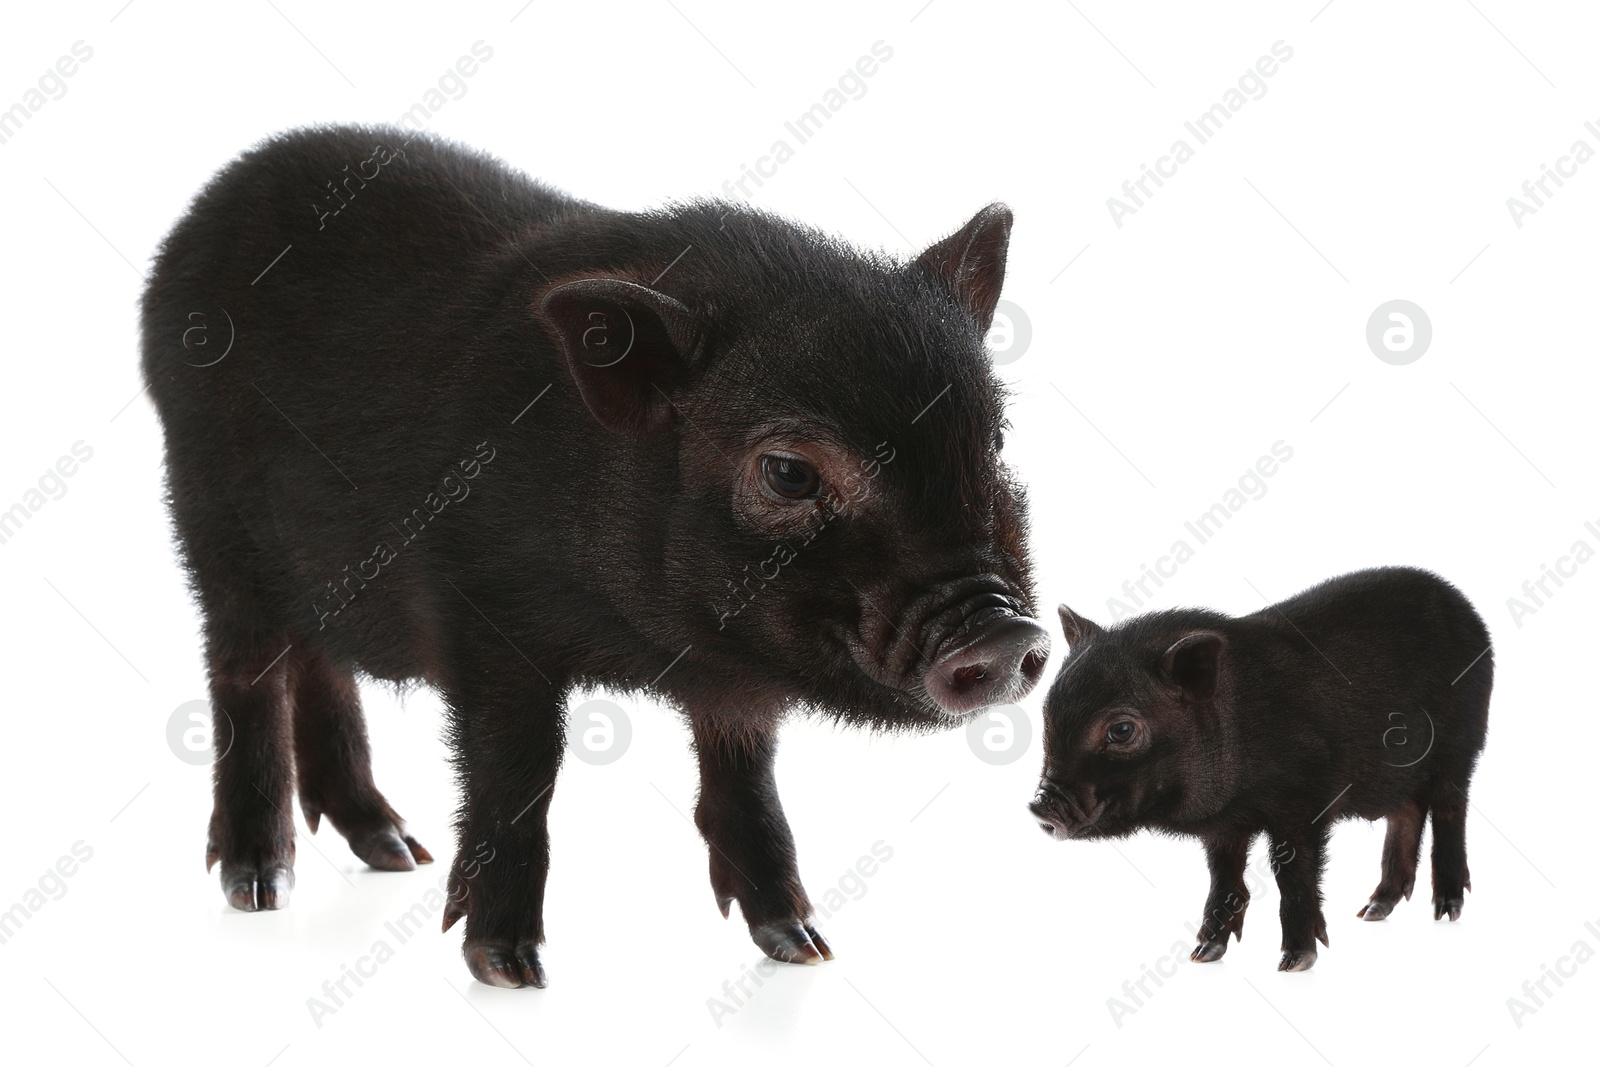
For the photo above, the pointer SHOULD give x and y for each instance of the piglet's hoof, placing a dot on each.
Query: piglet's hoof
(1450, 906)
(1376, 910)
(500, 963)
(1298, 960)
(387, 849)
(791, 942)
(250, 889)
(1209, 951)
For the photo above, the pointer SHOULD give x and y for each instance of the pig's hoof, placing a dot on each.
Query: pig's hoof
(387, 849)
(251, 889)
(1376, 910)
(1209, 951)
(1297, 959)
(500, 963)
(1443, 906)
(791, 942)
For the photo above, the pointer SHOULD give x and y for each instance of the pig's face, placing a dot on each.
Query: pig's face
(1130, 729)
(843, 534)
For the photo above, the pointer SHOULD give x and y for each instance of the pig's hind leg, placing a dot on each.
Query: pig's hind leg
(1401, 846)
(251, 833)
(333, 764)
(752, 850)
(1227, 858)
(1448, 812)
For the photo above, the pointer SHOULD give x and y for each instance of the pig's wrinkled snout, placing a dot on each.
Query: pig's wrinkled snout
(994, 662)
(1060, 816)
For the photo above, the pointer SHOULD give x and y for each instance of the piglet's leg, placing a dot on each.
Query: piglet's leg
(251, 833)
(333, 765)
(1451, 879)
(752, 851)
(1297, 855)
(1400, 848)
(1229, 896)
(510, 735)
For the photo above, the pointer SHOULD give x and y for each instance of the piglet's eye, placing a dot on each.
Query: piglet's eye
(1120, 732)
(789, 477)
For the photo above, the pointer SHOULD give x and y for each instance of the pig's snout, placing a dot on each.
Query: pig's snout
(1049, 822)
(1060, 816)
(995, 661)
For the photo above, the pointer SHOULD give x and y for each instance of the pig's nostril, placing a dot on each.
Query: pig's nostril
(1033, 664)
(999, 663)
(965, 676)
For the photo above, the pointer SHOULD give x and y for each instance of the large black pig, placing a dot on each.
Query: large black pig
(429, 419)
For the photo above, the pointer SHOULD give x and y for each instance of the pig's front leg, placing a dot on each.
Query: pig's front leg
(1298, 852)
(1225, 904)
(508, 728)
(752, 850)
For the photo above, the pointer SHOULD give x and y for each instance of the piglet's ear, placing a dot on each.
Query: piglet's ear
(1076, 628)
(626, 346)
(972, 262)
(1194, 662)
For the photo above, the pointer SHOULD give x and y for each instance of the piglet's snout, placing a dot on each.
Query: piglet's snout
(1059, 815)
(993, 663)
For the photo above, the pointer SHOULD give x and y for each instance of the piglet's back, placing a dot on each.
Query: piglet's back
(1379, 643)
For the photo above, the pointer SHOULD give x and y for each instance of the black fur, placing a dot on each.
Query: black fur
(476, 432)
(1366, 696)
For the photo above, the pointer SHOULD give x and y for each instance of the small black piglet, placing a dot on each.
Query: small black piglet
(1367, 695)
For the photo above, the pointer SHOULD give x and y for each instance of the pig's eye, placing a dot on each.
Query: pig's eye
(1120, 732)
(789, 477)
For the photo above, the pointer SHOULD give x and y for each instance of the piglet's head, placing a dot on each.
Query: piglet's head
(814, 439)
(1132, 725)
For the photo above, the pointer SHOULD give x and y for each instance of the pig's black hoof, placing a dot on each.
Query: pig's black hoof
(1450, 906)
(1298, 960)
(791, 942)
(499, 963)
(386, 849)
(249, 889)
(1209, 951)
(1376, 910)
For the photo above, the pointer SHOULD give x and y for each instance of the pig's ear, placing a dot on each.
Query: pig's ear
(1194, 662)
(1075, 626)
(972, 262)
(626, 345)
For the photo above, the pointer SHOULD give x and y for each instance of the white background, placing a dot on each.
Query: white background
(1227, 314)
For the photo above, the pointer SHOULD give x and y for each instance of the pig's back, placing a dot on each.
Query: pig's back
(369, 353)
(1399, 617)
(1372, 662)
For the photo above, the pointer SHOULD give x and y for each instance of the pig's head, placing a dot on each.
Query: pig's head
(1134, 730)
(840, 533)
